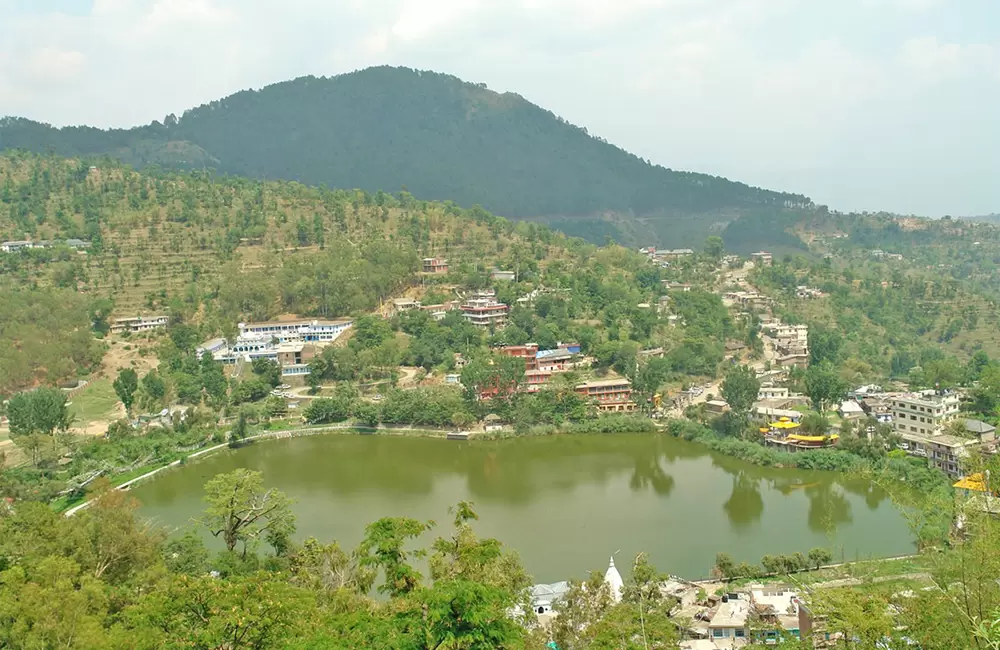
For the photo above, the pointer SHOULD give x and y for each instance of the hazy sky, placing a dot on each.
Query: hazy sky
(861, 104)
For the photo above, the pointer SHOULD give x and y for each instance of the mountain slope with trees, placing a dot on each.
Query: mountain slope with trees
(440, 138)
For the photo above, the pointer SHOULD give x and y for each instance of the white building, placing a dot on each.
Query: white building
(920, 419)
(138, 324)
(313, 331)
(614, 581)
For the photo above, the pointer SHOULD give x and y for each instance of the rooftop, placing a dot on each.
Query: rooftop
(731, 614)
(604, 382)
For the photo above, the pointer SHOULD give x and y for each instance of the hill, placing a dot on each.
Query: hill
(442, 139)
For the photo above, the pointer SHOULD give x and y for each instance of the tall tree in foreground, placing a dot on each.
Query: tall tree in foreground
(241, 511)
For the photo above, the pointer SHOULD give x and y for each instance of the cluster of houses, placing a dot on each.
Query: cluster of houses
(762, 258)
(292, 344)
(608, 395)
(880, 254)
(481, 308)
(23, 245)
(663, 257)
(720, 621)
(791, 343)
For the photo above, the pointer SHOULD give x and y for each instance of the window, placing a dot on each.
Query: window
(717, 633)
(740, 633)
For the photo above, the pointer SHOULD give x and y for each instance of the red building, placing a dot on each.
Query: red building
(526, 352)
(535, 379)
(609, 394)
(435, 265)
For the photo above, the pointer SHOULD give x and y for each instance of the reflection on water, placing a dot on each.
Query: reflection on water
(564, 502)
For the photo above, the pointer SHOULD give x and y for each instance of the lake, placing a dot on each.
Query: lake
(565, 503)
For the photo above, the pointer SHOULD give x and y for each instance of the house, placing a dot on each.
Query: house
(492, 422)
(851, 410)
(677, 286)
(400, 305)
(485, 312)
(138, 324)
(651, 353)
(435, 265)
(609, 394)
(920, 419)
(506, 276)
(729, 622)
(774, 611)
(78, 244)
(452, 378)
(15, 246)
(762, 258)
(558, 360)
(543, 597)
(528, 352)
(535, 379)
(673, 254)
(716, 406)
(212, 346)
(768, 391)
(799, 360)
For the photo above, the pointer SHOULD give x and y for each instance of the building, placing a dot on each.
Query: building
(543, 597)
(762, 258)
(400, 305)
(313, 331)
(492, 422)
(558, 360)
(677, 286)
(212, 346)
(768, 391)
(728, 626)
(535, 379)
(651, 353)
(716, 406)
(435, 265)
(805, 293)
(851, 410)
(920, 420)
(924, 413)
(485, 312)
(78, 244)
(138, 324)
(609, 394)
(506, 276)
(528, 352)
(15, 246)
(774, 611)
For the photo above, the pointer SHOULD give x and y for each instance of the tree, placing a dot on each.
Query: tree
(241, 511)
(724, 565)
(740, 389)
(824, 345)
(32, 416)
(383, 548)
(267, 369)
(823, 386)
(239, 430)
(819, 556)
(327, 409)
(125, 386)
(715, 247)
(154, 388)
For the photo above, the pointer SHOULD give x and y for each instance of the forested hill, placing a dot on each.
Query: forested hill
(440, 138)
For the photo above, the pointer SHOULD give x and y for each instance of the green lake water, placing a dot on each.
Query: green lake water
(565, 503)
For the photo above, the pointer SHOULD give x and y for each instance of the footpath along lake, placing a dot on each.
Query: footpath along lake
(565, 503)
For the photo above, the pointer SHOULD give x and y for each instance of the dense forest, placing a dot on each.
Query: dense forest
(440, 138)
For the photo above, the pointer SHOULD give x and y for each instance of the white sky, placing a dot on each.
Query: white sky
(860, 104)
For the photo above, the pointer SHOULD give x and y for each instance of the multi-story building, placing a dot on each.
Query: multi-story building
(138, 324)
(762, 258)
(609, 394)
(558, 360)
(506, 276)
(527, 352)
(435, 265)
(535, 379)
(920, 420)
(313, 331)
(485, 312)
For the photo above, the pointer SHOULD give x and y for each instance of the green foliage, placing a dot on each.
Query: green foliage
(823, 386)
(125, 386)
(502, 157)
(52, 331)
(267, 370)
(739, 389)
(240, 511)
(326, 410)
(383, 549)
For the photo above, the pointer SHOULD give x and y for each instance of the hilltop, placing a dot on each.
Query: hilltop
(442, 139)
